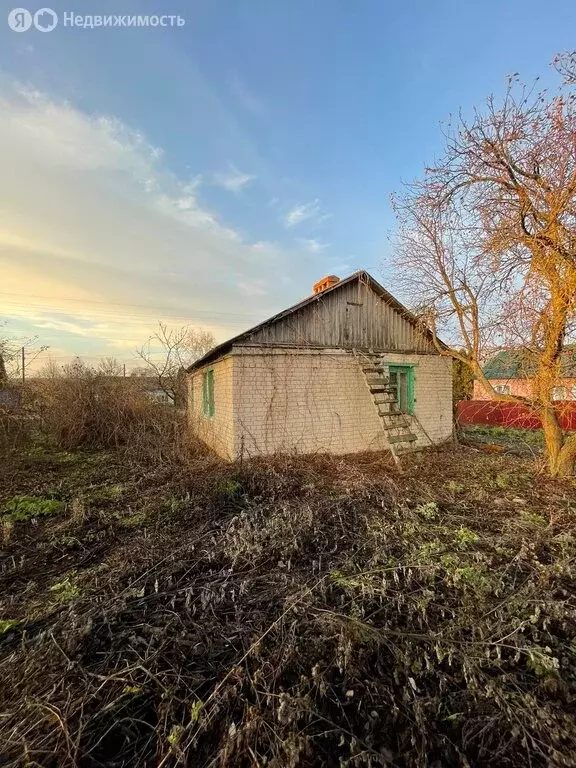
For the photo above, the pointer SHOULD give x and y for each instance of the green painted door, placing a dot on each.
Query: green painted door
(401, 378)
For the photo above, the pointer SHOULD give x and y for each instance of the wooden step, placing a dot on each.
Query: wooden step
(396, 417)
(380, 386)
(407, 437)
(375, 376)
(384, 397)
(374, 371)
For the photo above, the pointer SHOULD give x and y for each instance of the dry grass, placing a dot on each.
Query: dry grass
(92, 411)
(289, 613)
(15, 432)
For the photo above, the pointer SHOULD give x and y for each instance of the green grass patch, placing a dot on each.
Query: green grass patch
(107, 493)
(25, 508)
(65, 591)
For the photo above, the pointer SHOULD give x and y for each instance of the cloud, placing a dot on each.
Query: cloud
(312, 245)
(95, 223)
(245, 96)
(311, 211)
(257, 287)
(234, 180)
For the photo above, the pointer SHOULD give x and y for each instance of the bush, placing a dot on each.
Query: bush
(15, 431)
(90, 410)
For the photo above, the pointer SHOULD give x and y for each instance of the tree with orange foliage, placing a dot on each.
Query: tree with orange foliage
(487, 244)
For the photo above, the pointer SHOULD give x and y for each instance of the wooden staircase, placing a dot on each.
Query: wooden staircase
(397, 425)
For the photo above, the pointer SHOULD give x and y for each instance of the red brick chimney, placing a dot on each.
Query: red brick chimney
(324, 283)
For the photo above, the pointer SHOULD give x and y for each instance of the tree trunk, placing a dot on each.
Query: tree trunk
(567, 457)
(560, 453)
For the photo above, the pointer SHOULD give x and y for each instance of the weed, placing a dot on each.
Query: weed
(195, 710)
(428, 511)
(132, 521)
(542, 662)
(7, 624)
(448, 561)
(6, 528)
(229, 488)
(175, 736)
(107, 493)
(65, 591)
(455, 487)
(25, 508)
(532, 518)
(464, 537)
(78, 510)
(471, 576)
(429, 550)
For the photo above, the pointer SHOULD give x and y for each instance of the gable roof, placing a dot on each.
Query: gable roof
(224, 348)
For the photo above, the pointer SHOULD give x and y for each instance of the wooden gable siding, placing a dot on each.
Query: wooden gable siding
(353, 316)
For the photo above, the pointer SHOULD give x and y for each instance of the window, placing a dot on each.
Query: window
(502, 389)
(208, 393)
(401, 379)
(559, 393)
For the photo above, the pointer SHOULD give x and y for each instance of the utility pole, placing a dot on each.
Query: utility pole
(124, 369)
(23, 366)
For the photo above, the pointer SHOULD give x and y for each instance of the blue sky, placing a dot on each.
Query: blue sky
(211, 173)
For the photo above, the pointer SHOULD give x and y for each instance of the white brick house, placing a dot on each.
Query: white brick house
(348, 369)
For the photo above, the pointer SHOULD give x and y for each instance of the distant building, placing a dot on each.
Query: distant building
(511, 372)
(348, 369)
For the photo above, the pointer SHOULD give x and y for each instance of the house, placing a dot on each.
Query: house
(511, 372)
(348, 369)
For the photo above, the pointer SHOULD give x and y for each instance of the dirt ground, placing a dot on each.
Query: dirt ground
(300, 612)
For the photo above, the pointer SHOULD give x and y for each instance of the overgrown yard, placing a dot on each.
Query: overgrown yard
(288, 613)
(519, 442)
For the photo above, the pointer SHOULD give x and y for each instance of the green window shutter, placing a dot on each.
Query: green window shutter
(205, 394)
(411, 391)
(208, 393)
(211, 409)
(402, 380)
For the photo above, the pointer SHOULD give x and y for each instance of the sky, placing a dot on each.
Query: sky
(210, 173)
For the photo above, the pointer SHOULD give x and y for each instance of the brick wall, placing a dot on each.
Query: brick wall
(310, 401)
(302, 401)
(217, 431)
(432, 395)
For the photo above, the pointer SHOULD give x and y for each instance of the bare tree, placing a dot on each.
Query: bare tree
(565, 65)
(142, 371)
(11, 353)
(50, 370)
(169, 351)
(487, 240)
(110, 366)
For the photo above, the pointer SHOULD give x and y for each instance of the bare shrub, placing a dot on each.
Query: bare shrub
(14, 431)
(84, 408)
